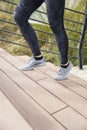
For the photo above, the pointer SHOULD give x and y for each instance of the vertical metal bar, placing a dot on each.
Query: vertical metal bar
(80, 45)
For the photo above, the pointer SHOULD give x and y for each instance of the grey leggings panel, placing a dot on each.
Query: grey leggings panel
(55, 12)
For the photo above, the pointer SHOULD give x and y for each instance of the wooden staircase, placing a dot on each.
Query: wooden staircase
(33, 100)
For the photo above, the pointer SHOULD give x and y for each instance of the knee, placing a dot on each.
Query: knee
(20, 15)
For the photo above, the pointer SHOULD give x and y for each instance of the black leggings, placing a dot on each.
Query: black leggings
(55, 12)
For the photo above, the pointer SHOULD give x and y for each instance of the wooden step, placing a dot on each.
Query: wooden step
(37, 117)
(23, 79)
(10, 118)
(36, 95)
(74, 83)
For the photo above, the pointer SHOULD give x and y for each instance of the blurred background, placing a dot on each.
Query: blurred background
(75, 23)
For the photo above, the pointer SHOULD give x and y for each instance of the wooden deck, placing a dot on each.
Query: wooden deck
(33, 100)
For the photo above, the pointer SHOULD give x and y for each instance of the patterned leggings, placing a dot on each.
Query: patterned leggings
(55, 13)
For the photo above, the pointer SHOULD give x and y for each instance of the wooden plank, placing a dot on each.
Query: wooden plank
(38, 118)
(71, 119)
(10, 118)
(24, 59)
(40, 95)
(78, 80)
(66, 95)
(44, 69)
(73, 82)
(54, 70)
(71, 76)
(35, 75)
(80, 89)
(75, 87)
(18, 62)
(51, 89)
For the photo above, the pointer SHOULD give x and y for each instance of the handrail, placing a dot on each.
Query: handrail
(80, 45)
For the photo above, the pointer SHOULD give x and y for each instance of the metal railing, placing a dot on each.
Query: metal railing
(80, 34)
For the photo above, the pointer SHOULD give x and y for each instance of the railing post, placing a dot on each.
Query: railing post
(80, 45)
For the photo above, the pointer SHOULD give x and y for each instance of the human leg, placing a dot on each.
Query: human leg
(22, 13)
(55, 11)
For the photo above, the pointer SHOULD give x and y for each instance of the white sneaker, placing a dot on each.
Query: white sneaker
(32, 63)
(63, 72)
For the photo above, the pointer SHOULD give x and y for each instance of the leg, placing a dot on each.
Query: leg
(55, 10)
(21, 15)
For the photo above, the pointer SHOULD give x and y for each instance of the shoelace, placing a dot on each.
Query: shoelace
(61, 70)
(30, 59)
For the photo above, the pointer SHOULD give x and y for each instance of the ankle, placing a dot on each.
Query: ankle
(65, 65)
(39, 57)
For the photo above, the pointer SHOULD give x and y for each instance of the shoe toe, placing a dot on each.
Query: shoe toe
(59, 77)
(25, 68)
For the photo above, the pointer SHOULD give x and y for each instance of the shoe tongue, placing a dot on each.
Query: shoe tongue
(30, 59)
